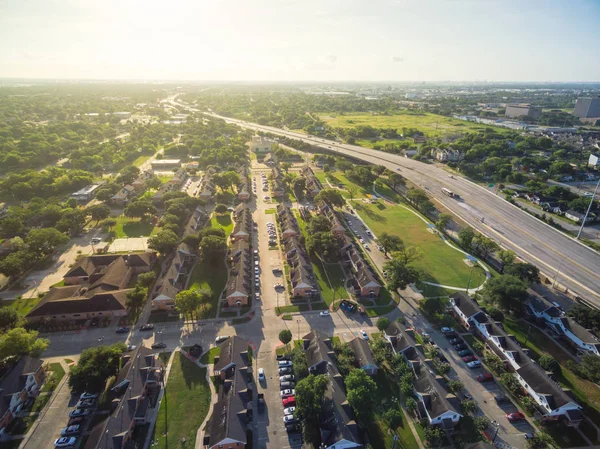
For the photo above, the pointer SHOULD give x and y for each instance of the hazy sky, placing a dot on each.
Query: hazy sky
(362, 40)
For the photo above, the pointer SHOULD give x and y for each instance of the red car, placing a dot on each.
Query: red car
(516, 416)
(289, 401)
(469, 358)
(485, 377)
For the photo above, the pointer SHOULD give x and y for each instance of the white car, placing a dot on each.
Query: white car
(289, 410)
(324, 313)
(447, 330)
(288, 392)
(364, 335)
(71, 430)
(284, 363)
(474, 364)
(65, 442)
(286, 378)
(288, 419)
(261, 374)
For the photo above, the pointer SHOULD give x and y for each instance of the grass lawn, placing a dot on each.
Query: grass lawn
(140, 160)
(291, 309)
(211, 275)
(429, 124)
(55, 375)
(337, 178)
(330, 281)
(585, 392)
(133, 227)
(209, 357)
(222, 221)
(440, 263)
(187, 401)
(22, 306)
(164, 178)
(430, 291)
(271, 211)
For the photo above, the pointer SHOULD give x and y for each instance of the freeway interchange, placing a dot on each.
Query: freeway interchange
(561, 258)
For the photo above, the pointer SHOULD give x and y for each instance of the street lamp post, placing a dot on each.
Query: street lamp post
(298, 322)
(497, 425)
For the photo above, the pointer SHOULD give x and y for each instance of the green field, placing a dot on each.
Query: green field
(186, 404)
(213, 276)
(140, 160)
(441, 264)
(209, 356)
(133, 227)
(330, 281)
(429, 124)
(338, 179)
(22, 306)
(222, 221)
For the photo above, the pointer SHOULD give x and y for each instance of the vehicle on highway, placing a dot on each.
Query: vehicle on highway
(261, 374)
(285, 370)
(324, 313)
(79, 412)
(287, 393)
(286, 377)
(122, 330)
(65, 442)
(70, 430)
(464, 353)
(469, 358)
(286, 385)
(448, 192)
(447, 330)
(474, 364)
(285, 363)
(289, 410)
(221, 338)
(86, 395)
(364, 335)
(289, 401)
(485, 377)
(147, 327)
(288, 419)
(515, 416)
(158, 345)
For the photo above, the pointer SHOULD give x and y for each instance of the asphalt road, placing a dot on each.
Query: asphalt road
(557, 255)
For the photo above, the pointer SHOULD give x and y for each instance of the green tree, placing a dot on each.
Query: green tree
(300, 364)
(507, 257)
(95, 366)
(309, 396)
(400, 275)
(142, 209)
(407, 254)
(506, 291)
(540, 440)
(128, 174)
(442, 222)
(394, 180)
(527, 272)
(98, 211)
(213, 247)
(221, 208)
(16, 263)
(136, 297)
(411, 405)
(466, 236)
(481, 423)
(360, 390)
(146, 279)
(187, 302)
(164, 242)
(109, 223)
(11, 226)
(549, 364)
(589, 367)
(383, 323)
(485, 246)
(18, 341)
(390, 243)
(455, 386)
(285, 336)
(468, 407)
(331, 196)
(9, 318)
(420, 200)
(43, 241)
(434, 436)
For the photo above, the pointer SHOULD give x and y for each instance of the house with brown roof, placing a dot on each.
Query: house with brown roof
(133, 401)
(365, 282)
(302, 277)
(243, 223)
(238, 283)
(313, 186)
(175, 278)
(243, 188)
(287, 222)
(123, 196)
(364, 356)
(18, 388)
(91, 268)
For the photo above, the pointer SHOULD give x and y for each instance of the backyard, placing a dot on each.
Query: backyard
(133, 227)
(222, 221)
(186, 403)
(440, 263)
(213, 276)
(429, 124)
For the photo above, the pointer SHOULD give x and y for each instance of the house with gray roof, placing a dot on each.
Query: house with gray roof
(364, 356)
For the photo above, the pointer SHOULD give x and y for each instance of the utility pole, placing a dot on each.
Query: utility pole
(588, 210)
(298, 322)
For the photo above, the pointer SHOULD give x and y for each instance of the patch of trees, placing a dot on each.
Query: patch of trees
(96, 365)
(588, 318)
(17, 341)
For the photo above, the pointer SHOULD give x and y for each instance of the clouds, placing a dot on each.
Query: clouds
(397, 59)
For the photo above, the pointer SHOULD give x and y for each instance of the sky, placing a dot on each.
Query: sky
(301, 40)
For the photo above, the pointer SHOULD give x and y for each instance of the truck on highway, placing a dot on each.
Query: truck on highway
(449, 192)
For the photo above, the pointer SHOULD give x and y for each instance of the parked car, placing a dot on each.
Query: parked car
(515, 416)
(86, 395)
(221, 338)
(288, 392)
(460, 347)
(469, 358)
(283, 357)
(147, 327)
(364, 335)
(159, 345)
(74, 421)
(65, 442)
(447, 330)
(289, 401)
(286, 385)
(288, 419)
(79, 412)
(485, 377)
(500, 399)
(464, 353)
(450, 336)
(122, 330)
(293, 427)
(324, 313)
(285, 363)
(285, 370)
(474, 364)
(289, 410)
(70, 430)
(86, 403)
(286, 377)
(455, 341)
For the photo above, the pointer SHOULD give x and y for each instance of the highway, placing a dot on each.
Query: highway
(560, 257)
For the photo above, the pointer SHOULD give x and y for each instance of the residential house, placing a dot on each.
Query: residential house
(564, 327)
(87, 193)
(447, 155)
(232, 413)
(243, 188)
(301, 273)
(172, 185)
(133, 400)
(18, 388)
(337, 229)
(365, 282)
(313, 186)
(338, 427)
(554, 403)
(165, 164)
(123, 196)
(277, 188)
(364, 356)
(91, 268)
(175, 278)
(238, 283)
(207, 189)
(434, 401)
(243, 223)
(594, 161)
(287, 222)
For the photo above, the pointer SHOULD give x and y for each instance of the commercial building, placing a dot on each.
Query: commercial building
(260, 144)
(18, 388)
(86, 194)
(165, 164)
(587, 107)
(522, 109)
